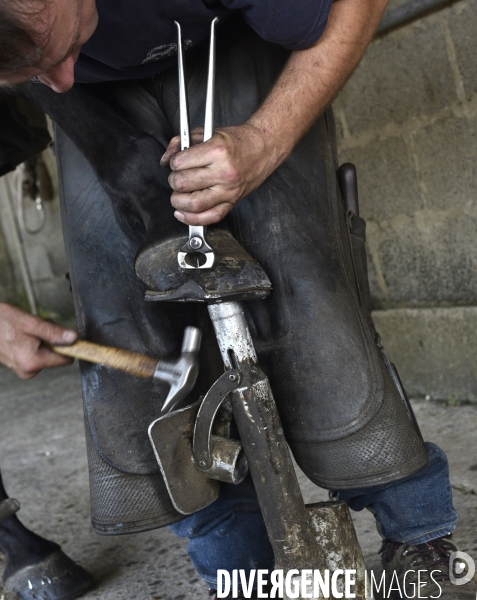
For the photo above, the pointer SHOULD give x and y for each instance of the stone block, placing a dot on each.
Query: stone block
(434, 350)
(404, 74)
(425, 261)
(387, 180)
(462, 20)
(446, 152)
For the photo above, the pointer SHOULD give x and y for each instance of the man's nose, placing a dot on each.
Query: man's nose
(60, 77)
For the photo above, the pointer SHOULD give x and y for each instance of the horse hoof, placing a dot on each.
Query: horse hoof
(56, 577)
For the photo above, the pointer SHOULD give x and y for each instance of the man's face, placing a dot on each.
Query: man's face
(68, 24)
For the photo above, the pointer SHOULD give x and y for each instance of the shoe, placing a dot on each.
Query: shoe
(408, 565)
(56, 577)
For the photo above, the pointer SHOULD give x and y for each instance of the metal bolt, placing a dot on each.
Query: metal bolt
(202, 463)
(195, 243)
(232, 377)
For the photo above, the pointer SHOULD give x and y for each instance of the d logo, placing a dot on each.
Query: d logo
(459, 562)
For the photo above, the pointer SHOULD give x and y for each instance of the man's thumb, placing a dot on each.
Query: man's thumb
(54, 334)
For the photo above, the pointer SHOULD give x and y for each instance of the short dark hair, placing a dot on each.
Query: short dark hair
(20, 44)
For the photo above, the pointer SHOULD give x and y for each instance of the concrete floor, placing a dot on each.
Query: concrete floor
(43, 460)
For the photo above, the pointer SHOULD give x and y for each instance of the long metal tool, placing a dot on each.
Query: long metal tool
(197, 253)
(302, 537)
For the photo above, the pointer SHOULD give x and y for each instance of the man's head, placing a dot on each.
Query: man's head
(43, 38)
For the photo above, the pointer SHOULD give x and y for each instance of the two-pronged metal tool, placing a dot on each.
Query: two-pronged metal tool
(197, 253)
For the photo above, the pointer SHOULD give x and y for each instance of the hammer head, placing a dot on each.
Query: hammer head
(182, 373)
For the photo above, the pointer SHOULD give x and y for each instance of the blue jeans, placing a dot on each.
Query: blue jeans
(230, 533)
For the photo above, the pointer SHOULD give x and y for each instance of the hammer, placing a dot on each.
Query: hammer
(180, 374)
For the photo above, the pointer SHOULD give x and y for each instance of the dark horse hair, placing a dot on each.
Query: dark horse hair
(21, 35)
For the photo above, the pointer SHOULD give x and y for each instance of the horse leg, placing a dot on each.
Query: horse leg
(35, 564)
(21, 546)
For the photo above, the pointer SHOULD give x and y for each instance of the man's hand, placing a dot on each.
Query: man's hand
(209, 179)
(21, 342)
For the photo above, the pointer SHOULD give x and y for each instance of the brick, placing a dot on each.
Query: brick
(462, 27)
(446, 152)
(434, 350)
(404, 74)
(387, 181)
(428, 260)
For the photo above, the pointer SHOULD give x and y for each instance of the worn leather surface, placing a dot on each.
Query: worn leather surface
(111, 310)
(311, 334)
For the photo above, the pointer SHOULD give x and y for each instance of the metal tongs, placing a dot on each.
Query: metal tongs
(196, 254)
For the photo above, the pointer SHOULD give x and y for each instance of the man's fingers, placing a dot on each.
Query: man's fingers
(200, 155)
(193, 180)
(202, 200)
(48, 358)
(21, 342)
(50, 332)
(31, 358)
(208, 217)
(174, 146)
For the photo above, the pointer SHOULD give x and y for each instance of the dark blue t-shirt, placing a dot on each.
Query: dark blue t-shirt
(138, 38)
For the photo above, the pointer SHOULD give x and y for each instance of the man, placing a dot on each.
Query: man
(271, 160)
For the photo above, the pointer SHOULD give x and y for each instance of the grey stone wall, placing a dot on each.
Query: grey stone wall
(408, 120)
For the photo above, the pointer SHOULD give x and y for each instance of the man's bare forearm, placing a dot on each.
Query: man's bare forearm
(313, 77)
(209, 179)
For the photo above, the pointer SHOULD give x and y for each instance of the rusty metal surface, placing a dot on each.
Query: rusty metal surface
(202, 448)
(229, 463)
(171, 437)
(289, 523)
(337, 539)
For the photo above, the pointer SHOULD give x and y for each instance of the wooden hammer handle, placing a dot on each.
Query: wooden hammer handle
(133, 363)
